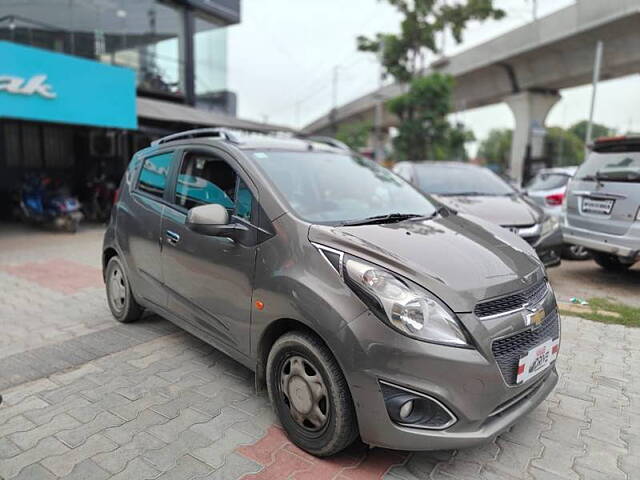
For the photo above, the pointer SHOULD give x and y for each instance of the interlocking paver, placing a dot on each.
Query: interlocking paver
(117, 460)
(145, 399)
(62, 465)
(77, 436)
(47, 447)
(124, 433)
(28, 439)
(171, 430)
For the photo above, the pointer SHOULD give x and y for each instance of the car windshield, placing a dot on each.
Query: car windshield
(548, 181)
(336, 188)
(460, 180)
(611, 166)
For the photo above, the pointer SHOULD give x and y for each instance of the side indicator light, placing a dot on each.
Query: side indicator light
(259, 305)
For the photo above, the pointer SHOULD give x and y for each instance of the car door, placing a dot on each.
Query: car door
(139, 221)
(210, 279)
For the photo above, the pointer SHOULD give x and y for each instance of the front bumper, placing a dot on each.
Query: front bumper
(467, 381)
(549, 248)
(626, 246)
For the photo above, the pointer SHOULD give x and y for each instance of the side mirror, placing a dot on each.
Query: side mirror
(213, 220)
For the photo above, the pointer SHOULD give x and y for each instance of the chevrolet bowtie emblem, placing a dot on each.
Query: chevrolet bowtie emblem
(535, 317)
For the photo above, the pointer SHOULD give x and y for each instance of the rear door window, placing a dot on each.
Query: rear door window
(548, 181)
(153, 175)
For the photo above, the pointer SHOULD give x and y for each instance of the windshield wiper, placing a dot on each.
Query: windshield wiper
(470, 194)
(388, 218)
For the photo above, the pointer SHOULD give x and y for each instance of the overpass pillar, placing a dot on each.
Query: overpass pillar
(530, 110)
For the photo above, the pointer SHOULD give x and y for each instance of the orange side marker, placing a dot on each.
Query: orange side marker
(259, 305)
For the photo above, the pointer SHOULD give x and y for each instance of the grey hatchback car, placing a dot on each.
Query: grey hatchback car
(365, 307)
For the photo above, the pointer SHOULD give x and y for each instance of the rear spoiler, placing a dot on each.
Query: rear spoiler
(616, 144)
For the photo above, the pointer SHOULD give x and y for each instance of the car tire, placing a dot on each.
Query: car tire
(575, 252)
(122, 304)
(610, 262)
(298, 365)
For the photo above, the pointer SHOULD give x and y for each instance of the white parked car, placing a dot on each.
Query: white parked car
(548, 189)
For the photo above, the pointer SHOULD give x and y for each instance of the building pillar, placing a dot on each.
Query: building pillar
(530, 110)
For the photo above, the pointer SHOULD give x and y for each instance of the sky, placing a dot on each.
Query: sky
(286, 55)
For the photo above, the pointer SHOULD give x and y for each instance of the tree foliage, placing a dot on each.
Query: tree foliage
(496, 148)
(354, 134)
(564, 147)
(598, 130)
(424, 131)
(404, 54)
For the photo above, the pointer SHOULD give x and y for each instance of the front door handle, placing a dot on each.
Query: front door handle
(172, 237)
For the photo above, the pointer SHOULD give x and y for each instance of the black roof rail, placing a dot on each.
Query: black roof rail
(198, 133)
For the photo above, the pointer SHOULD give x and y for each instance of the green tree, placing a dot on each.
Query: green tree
(496, 148)
(564, 147)
(423, 129)
(354, 134)
(598, 130)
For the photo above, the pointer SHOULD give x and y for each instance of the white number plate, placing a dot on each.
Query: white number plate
(591, 205)
(537, 360)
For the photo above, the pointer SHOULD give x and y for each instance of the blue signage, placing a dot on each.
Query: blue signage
(46, 86)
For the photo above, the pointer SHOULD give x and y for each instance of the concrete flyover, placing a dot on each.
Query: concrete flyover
(525, 68)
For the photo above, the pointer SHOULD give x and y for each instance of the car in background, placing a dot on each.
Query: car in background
(602, 205)
(478, 191)
(547, 188)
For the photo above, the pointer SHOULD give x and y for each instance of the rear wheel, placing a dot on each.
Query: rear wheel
(611, 262)
(310, 394)
(121, 302)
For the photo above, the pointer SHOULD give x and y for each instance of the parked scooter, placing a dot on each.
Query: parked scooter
(42, 200)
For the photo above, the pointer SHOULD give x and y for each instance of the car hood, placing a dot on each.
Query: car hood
(460, 259)
(513, 210)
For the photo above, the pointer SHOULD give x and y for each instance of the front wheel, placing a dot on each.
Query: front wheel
(610, 262)
(123, 306)
(310, 394)
(575, 252)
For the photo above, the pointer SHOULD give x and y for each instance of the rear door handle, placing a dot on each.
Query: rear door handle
(172, 237)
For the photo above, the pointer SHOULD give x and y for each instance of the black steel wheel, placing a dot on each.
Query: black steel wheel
(310, 394)
(119, 297)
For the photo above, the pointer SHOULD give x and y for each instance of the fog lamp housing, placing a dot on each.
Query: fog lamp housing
(409, 408)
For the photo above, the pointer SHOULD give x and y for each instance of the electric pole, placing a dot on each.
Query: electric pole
(596, 78)
(379, 143)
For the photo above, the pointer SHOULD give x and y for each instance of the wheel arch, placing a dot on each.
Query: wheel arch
(275, 330)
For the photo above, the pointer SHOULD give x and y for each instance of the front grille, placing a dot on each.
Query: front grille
(532, 295)
(507, 351)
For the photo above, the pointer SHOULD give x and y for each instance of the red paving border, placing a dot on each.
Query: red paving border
(63, 276)
(281, 459)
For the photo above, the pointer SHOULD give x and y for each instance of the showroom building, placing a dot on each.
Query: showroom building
(85, 83)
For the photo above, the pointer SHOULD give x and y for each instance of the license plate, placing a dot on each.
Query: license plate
(537, 360)
(592, 205)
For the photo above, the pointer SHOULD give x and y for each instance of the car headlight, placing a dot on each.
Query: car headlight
(549, 224)
(402, 305)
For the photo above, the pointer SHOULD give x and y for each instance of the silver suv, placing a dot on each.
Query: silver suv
(602, 207)
(365, 307)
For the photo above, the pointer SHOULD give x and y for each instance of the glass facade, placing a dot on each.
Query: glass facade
(149, 36)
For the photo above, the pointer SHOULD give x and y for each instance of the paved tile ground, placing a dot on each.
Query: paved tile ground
(154, 402)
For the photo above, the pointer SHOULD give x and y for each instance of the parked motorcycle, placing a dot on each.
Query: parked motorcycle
(100, 196)
(46, 201)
